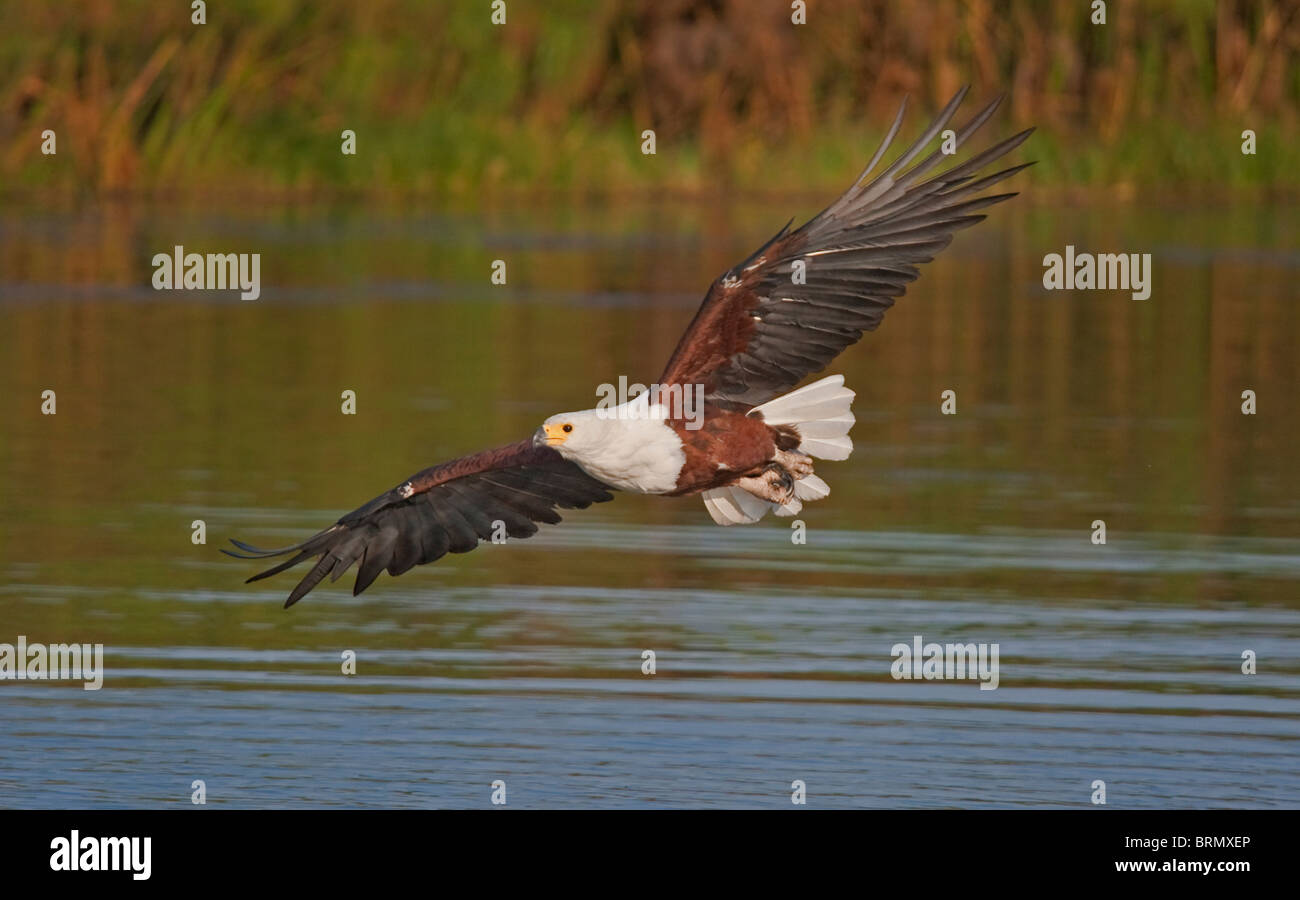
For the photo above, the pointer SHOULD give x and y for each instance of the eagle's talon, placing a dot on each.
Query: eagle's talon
(780, 482)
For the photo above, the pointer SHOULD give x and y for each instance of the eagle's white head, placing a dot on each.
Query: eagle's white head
(575, 435)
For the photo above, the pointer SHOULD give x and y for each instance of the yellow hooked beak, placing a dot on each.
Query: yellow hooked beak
(555, 435)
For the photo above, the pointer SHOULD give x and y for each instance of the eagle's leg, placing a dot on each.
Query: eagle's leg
(799, 465)
(773, 484)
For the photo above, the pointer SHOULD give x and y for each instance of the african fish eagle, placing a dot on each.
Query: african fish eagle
(758, 332)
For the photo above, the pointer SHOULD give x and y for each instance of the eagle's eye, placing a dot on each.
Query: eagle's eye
(567, 429)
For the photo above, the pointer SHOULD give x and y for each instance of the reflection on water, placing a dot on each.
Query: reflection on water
(1120, 662)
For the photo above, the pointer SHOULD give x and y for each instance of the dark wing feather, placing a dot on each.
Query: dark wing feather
(757, 333)
(448, 508)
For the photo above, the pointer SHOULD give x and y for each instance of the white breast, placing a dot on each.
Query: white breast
(636, 452)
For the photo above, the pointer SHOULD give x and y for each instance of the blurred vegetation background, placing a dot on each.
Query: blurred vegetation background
(442, 101)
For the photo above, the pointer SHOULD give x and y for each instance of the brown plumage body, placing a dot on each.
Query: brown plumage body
(728, 446)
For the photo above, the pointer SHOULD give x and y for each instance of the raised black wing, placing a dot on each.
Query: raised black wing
(759, 331)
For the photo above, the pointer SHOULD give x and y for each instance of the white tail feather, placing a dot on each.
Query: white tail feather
(752, 507)
(733, 506)
(810, 487)
(826, 428)
(822, 414)
(790, 509)
(827, 448)
(791, 408)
